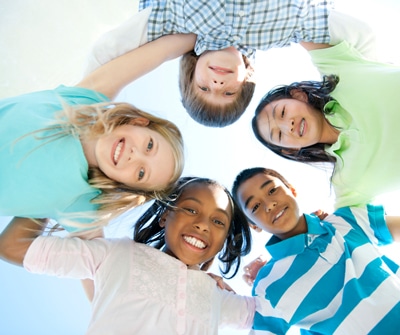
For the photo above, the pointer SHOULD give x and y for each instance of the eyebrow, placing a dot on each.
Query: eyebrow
(200, 203)
(263, 185)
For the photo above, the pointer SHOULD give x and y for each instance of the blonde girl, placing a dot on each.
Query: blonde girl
(72, 155)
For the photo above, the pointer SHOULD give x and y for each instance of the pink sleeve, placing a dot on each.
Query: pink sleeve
(66, 257)
(237, 310)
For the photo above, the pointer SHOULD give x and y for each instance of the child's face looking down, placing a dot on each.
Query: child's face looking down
(197, 230)
(219, 75)
(135, 156)
(271, 205)
(291, 123)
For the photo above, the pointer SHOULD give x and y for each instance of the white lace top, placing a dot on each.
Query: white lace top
(139, 289)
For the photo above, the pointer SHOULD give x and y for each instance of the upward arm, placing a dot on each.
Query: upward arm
(314, 46)
(393, 223)
(110, 78)
(17, 237)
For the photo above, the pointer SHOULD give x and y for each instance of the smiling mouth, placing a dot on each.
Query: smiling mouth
(220, 70)
(277, 217)
(118, 150)
(195, 242)
(302, 124)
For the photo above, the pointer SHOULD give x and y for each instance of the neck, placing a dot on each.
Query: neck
(88, 147)
(330, 134)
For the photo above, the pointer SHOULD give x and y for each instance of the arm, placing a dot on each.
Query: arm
(110, 78)
(17, 237)
(314, 46)
(393, 223)
(128, 36)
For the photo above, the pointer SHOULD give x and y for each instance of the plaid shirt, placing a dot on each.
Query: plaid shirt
(247, 25)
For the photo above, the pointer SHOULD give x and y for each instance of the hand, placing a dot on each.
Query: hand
(321, 214)
(251, 269)
(220, 282)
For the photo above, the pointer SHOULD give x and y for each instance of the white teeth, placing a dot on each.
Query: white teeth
(117, 151)
(279, 214)
(302, 127)
(194, 241)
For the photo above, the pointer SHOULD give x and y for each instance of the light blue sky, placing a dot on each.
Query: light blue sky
(48, 48)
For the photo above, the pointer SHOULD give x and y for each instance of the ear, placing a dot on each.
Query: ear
(140, 121)
(293, 190)
(163, 219)
(256, 228)
(299, 95)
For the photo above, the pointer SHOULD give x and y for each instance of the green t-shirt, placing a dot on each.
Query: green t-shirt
(43, 178)
(367, 112)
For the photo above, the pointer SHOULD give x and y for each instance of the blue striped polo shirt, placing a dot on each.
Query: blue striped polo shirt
(331, 280)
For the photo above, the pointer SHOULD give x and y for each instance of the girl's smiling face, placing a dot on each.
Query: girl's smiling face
(271, 205)
(291, 123)
(134, 155)
(197, 229)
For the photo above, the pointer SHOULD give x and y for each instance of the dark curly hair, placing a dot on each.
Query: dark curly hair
(238, 241)
(318, 93)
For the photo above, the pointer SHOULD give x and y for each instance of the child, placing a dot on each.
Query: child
(349, 119)
(216, 81)
(96, 155)
(142, 290)
(325, 276)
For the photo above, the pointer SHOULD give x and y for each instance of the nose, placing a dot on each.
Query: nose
(202, 224)
(217, 82)
(287, 126)
(135, 154)
(270, 206)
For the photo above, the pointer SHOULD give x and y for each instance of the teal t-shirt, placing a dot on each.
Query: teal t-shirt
(367, 112)
(43, 178)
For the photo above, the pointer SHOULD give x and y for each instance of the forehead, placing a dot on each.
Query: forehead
(264, 121)
(252, 186)
(207, 194)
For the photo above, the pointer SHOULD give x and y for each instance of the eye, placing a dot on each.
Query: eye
(255, 207)
(190, 210)
(141, 174)
(283, 112)
(150, 145)
(272, 190)
(205, 89)
(229, 93)
(219, 222)
(280, 136)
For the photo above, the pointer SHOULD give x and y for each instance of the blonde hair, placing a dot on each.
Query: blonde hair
(91, 121)
(204, 112)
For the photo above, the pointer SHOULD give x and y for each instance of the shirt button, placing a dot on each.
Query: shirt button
(241, 13)
(236, 38)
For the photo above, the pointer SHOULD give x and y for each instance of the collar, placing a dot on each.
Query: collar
(278, 248)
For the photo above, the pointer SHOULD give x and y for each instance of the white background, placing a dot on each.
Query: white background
(44, 44)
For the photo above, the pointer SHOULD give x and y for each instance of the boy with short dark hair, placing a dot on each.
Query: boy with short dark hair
(325, 276)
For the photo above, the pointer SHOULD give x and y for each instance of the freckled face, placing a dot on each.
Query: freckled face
(135, 156)
(197, 230)
(271, 205)
(219, 75)
(291, 123)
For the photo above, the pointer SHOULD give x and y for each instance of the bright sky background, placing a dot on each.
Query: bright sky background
(44, 43)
